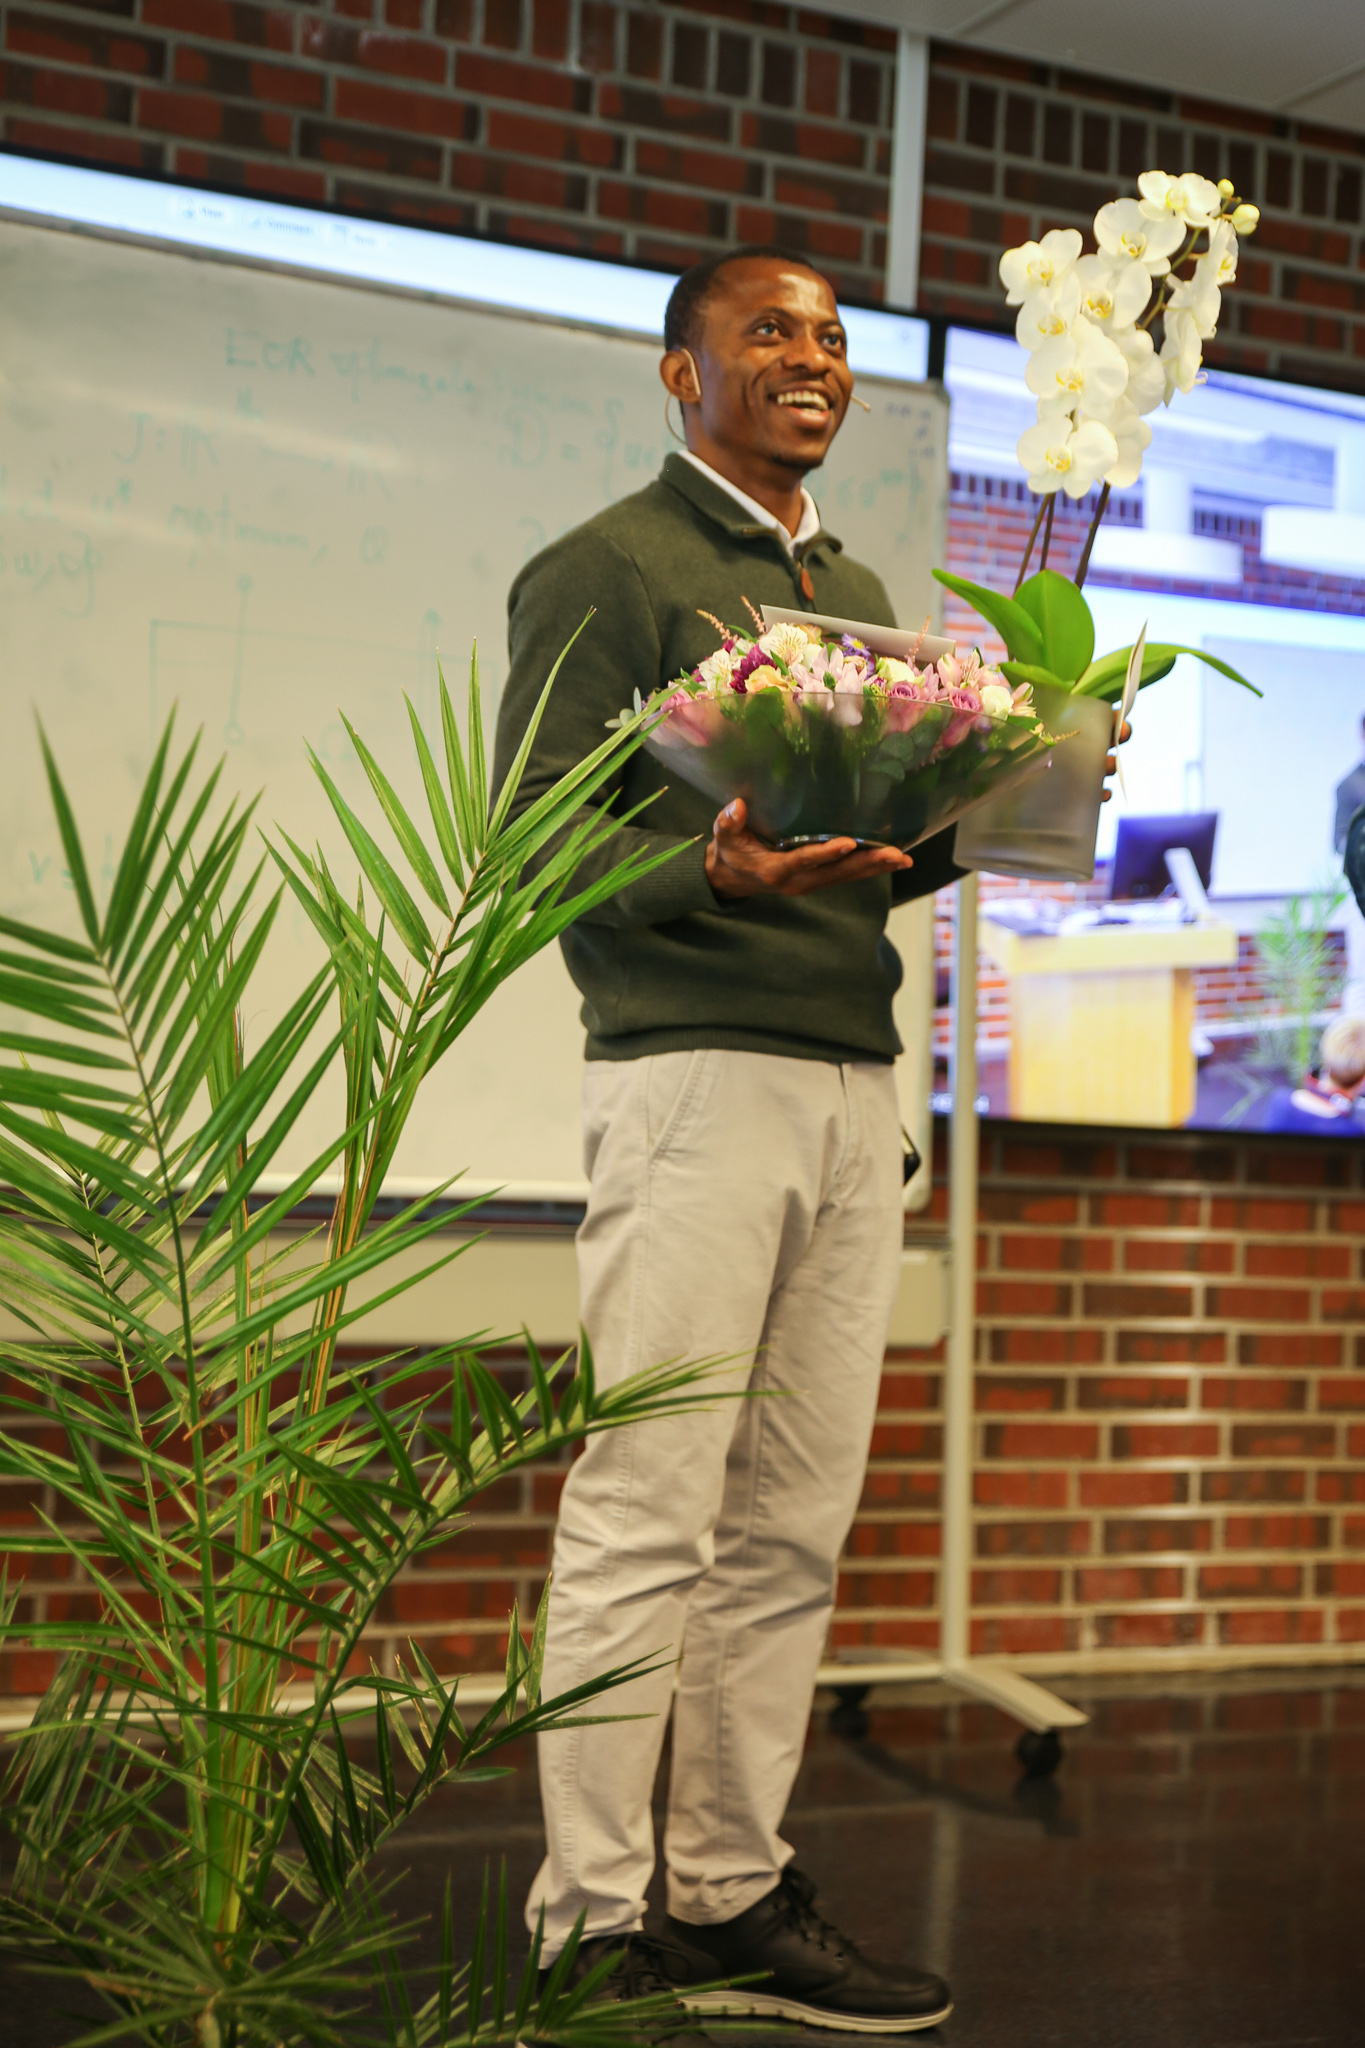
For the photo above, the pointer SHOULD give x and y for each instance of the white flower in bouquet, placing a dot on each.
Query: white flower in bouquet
(1082, 368)
(717, 669)
(1124, 230)
(1032, 264)
(1112, 294)
(997, 699)
(1048, 311)
(1060, 455)
(788, 643)
(892, 671)
(1189, 198)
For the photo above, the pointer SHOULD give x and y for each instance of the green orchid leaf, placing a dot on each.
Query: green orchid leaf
(1105, 677)
(1063, 618)
(1030, 672)
(1017, 627)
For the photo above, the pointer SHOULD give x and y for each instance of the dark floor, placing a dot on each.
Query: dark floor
(1194, 1877)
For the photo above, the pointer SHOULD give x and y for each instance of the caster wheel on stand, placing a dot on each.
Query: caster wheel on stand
(1039, 1752)
(849, 1716)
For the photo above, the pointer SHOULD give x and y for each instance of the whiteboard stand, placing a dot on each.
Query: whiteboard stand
(991, 1679)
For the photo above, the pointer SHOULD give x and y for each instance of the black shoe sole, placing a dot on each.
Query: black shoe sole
(766, 2003)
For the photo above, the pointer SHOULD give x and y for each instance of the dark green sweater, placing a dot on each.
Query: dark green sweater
(663, 966)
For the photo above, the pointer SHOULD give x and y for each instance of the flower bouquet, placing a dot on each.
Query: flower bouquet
(829, 729)
(1087, 322)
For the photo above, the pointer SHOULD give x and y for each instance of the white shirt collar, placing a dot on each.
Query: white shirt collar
(810, 515)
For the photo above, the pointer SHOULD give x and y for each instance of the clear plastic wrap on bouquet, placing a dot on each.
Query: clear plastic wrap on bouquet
(836, 741)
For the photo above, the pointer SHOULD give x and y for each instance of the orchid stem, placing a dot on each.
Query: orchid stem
(1084, 562)
(1033, 535)
(1047, 531)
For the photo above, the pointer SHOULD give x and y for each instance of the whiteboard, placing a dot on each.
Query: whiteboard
(267, 499)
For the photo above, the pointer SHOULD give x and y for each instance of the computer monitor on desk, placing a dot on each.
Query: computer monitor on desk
(1140, 873)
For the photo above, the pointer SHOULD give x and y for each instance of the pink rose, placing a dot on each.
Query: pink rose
(691, 721)
(904, 710)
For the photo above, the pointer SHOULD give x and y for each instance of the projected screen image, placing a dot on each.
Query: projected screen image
(1192, 982)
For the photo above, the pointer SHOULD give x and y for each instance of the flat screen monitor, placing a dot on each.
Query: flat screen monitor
(1243, 536)
(1140, 871)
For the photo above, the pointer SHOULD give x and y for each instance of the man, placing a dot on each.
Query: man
(1324, 1103)
(743, 1147)
(1350, 796)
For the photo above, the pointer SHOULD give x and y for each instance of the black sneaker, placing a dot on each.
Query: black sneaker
(804, 1969)
(645, 1969)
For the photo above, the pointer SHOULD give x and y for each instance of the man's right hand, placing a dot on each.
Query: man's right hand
(739, 863)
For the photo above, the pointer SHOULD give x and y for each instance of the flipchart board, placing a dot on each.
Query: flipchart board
(268, 499)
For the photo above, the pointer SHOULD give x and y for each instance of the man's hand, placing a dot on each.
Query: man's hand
(1111, 762)
(739, 863)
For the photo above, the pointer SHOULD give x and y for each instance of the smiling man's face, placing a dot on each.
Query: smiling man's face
(773, 362)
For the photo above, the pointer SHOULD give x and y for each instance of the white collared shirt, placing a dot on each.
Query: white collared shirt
(810, 516)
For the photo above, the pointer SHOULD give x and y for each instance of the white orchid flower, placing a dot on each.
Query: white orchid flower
(1220, 259)
(1146, 379)
(1188, 198)
(1244, 219)
(1060, 456)
(1181, 352)
(1111, 294)
(1124, 232)
(1134, 437)
(1080, 369)
(1032, 264)
(1049, 311)
(1200, 297)
(787, 642)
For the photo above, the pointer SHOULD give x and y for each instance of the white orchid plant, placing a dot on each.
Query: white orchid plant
(1094, 367)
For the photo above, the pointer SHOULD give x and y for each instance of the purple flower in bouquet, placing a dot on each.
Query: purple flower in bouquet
(755, 658)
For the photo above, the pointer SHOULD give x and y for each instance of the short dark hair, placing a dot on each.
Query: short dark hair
(687, 301)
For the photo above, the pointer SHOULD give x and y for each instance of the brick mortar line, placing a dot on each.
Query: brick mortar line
(137, 29)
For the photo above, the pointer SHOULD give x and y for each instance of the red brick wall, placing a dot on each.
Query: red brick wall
(1170, 1434)
(646, 132)
(655, 132)
(1171, 1419)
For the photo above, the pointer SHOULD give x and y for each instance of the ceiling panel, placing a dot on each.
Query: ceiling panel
(1307, 58)
(1339, 106)
(1259, 52)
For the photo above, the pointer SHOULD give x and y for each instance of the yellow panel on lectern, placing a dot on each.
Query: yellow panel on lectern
(1101, 1022)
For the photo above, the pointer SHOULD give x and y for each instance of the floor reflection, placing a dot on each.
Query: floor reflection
(1191, 1878)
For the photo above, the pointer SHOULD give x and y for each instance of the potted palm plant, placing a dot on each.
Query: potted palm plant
(226, 1498)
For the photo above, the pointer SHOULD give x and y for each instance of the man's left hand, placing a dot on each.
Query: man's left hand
(1111, 762)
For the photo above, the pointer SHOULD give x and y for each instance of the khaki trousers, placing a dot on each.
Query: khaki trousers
(745, 1206)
